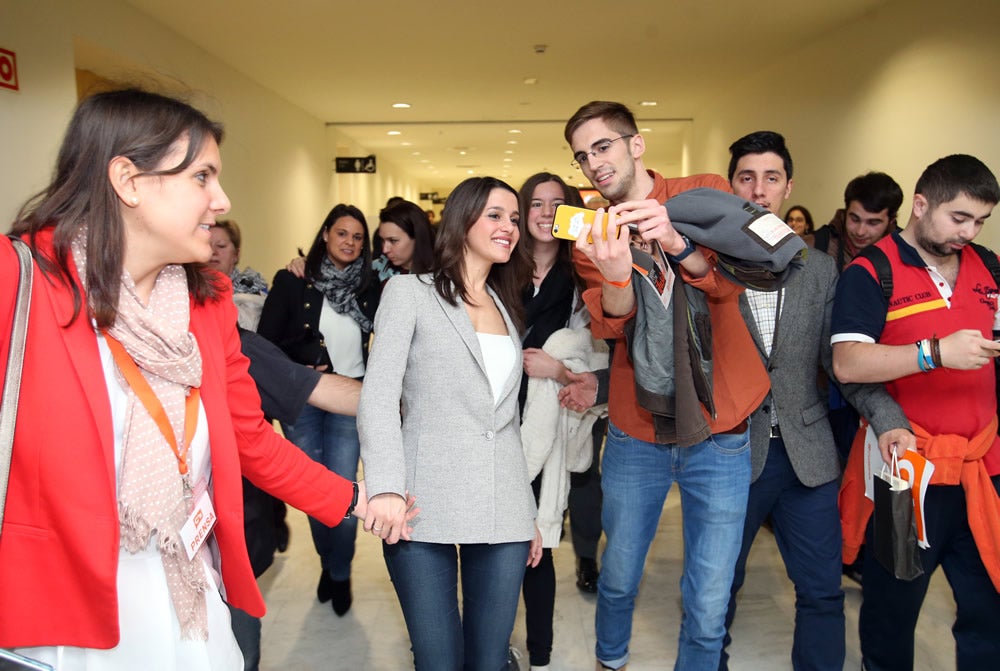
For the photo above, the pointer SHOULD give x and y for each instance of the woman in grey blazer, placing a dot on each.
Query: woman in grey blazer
(439, 419)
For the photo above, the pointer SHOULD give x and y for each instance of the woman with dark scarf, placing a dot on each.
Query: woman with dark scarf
(325, 320)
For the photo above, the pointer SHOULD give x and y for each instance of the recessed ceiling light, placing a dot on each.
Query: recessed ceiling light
(401, 106)
(647, 103)
(508, 151)
(508, 160)
(405, 144)
(514, 131)
(425, 160)
(394, 132)
(530, 80)
(645, 130)
(471, 172)
(414, 153)
(511, 141)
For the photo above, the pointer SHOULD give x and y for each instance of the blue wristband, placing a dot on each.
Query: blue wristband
(686, 252)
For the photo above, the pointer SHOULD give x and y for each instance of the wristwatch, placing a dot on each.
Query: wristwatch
(686, 252)
(354, 502)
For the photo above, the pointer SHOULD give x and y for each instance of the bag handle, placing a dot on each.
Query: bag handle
(15, 359)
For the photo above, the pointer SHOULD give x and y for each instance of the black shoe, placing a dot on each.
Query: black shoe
(324, 590)
(853, 572)
(341, 596)
(282, 533)
(586, 575)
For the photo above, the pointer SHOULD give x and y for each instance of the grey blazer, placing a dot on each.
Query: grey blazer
(429, 425)
(802, 346)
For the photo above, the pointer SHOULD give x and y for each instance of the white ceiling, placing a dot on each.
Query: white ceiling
(462, 67)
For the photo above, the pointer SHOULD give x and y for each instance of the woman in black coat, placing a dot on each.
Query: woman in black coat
(325, 320)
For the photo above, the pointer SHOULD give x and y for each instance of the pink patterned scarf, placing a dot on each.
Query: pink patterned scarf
(150, 488)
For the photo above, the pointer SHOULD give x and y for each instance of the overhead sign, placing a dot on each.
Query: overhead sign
(355, 164)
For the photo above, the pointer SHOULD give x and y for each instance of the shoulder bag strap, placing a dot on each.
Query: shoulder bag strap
(15, 357)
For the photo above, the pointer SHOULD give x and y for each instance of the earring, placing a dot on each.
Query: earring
(135, 200)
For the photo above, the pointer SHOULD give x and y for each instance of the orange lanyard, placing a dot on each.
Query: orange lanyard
(154, 407)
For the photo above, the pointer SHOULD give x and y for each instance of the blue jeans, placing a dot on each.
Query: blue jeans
(890, 607)
(425, 576)
(806, 523)
(714, 477)
(332, 440)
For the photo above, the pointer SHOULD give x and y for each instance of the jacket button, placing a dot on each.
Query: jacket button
(306, 326)
(322, 343)
(489, 435)
(307, 306)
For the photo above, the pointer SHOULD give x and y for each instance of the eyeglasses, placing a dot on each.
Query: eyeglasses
(597, 149)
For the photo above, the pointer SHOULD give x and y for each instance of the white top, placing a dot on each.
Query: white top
(499, 357)
(150, 631)
(342, 336)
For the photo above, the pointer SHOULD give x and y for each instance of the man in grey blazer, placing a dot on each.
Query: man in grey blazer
(794, 461)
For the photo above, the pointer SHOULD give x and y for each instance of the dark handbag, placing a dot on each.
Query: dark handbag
(894, 527)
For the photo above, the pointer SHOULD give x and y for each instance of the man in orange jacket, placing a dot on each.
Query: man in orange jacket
(644, 455)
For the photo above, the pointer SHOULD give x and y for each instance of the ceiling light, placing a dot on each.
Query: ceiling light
(471, 172)
(405, 144)
(508, 151)
(401, 106)
(508, 160)
(514, 131)
(462, 153)
(645, 130)
(511, 141)
(530, 80)
(647, 103)
(394, 132)
(414, 153)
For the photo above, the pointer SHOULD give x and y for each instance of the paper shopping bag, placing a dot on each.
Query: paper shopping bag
(894, 526)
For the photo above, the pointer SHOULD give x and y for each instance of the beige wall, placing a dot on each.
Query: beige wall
(276, 164)
(911, 82)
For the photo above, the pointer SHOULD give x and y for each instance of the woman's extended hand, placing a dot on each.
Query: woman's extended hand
(539, 364)
(388, 516)
(297, 267)
(535, 549)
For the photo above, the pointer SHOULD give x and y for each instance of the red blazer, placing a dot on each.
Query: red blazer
(60, 537)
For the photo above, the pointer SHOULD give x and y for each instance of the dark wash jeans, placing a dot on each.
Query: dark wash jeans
(890, 607)
(425, 576)
(806, 523)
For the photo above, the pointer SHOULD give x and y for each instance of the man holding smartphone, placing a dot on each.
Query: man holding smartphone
(929, 341)
(646, 453)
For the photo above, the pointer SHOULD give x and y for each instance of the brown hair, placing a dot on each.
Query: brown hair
(616, 115)
(464, 207)
(138, 125)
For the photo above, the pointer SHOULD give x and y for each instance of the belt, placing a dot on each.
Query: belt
(775, 431)
(739, 428)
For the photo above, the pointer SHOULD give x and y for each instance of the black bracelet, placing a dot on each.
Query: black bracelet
(354, 502)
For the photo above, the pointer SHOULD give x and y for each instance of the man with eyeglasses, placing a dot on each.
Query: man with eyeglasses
(646, 453)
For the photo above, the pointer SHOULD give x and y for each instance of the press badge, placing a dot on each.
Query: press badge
(199, 524)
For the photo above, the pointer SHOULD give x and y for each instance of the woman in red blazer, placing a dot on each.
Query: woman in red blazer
(126, 324)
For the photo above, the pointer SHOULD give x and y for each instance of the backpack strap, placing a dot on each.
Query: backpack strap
(989, 260)
(883, 271)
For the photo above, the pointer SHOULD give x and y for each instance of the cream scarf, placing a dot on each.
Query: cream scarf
(150, 489)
